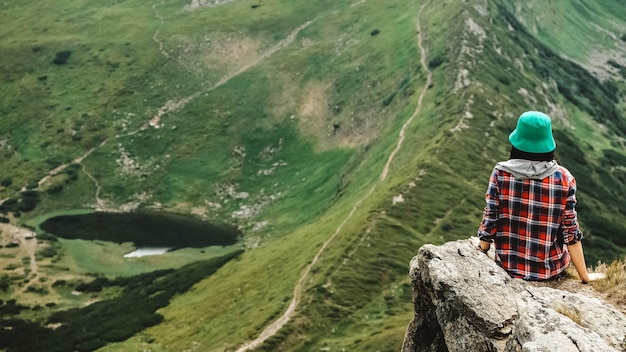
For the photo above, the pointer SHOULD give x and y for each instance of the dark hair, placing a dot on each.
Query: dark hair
(518, 154)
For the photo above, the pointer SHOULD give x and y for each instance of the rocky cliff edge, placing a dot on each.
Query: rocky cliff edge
(465, 302)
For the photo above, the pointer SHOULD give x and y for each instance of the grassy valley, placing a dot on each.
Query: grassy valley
(321, 130)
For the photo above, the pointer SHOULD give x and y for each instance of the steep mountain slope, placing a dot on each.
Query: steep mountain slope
(285, 119)
(360, 301)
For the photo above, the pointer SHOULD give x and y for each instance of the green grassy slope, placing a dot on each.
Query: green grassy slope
(593, 28)
(284, 117)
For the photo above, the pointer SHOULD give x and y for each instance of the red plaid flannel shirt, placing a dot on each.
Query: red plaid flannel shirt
(530, 221)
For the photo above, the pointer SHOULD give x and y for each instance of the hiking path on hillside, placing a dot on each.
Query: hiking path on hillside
(276, 325)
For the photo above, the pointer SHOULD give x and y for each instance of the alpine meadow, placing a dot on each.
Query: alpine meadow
(288, 158)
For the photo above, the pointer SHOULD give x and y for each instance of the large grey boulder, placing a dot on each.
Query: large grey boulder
(465, 302)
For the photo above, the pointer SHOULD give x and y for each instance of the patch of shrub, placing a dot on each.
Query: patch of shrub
(614, 63)
(32, 184)
(389, 99)
(27, 204)
(28, 201)
(612, 88)
(374, 32)
(504, 80)
(6, 181)
(72, 172)
(54, 189)
(5, 283)
(45, 236)
(36, 289)
(11, 307)
(436, 62)
(62, 57)
(48, 252)
(613, 158)
(59, 283)
(404, 82)
(53, 162)
(95, 286)
(30, 194)
(9, 204)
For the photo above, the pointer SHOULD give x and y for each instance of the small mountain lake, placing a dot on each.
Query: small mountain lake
(150, 233)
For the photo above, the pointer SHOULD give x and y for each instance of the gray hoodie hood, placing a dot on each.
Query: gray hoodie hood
(523, 169)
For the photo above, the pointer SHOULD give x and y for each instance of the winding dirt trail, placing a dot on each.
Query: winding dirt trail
(155, 36)
(275, 326)
(429, 78)
(100, 203)
(26, 237)
(174, 105)
(78, 161)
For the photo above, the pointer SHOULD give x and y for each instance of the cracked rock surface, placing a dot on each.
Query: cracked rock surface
(465, 302)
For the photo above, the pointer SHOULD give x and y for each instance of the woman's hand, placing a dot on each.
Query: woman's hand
(480, 245)
(596, 276)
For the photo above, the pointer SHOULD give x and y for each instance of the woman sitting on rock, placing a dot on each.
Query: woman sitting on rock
(530, 214)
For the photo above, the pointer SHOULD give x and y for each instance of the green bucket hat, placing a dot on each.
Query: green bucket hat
(533, 133)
